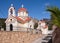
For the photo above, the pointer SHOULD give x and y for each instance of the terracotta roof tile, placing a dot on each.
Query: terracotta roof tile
(23, 21)
(22, 9)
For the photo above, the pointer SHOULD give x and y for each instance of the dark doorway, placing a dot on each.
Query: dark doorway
(11, 27)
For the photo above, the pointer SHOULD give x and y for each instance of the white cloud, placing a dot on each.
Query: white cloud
(47, 4)
(45, 12)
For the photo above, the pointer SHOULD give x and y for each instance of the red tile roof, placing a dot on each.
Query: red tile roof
(46, 26)
(27, 19)
(22, 9)
(23, 21)
(19, 19)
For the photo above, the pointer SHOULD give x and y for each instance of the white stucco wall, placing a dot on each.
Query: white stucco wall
(45, 31)
(13, 22)
(41, 26)
(31, 24)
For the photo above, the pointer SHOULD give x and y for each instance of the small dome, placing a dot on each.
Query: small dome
(22, 9)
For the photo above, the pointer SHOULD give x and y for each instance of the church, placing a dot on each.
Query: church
(21, 22)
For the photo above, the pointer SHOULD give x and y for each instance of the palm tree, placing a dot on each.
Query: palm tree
(55, 15)
(55, 18)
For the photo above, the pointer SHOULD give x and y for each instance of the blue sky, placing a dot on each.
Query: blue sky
(36, 8)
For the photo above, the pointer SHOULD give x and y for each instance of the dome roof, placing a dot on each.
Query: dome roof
(22, 9)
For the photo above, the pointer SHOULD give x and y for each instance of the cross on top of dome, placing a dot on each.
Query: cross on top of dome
(22, 6)
(22, 9)
(11, 5)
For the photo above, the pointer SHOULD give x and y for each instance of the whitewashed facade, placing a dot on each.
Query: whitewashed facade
(43, 27)
(20, 22)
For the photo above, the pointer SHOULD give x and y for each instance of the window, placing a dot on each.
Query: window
(11, 11)
(10, 19)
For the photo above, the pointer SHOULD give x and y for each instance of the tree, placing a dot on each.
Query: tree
(2, 23)
(55, 18)
(36, 25)
(55, 15)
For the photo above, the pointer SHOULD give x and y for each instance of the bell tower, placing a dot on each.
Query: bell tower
(11, 11)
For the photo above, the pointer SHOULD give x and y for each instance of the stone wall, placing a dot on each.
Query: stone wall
(17, 37)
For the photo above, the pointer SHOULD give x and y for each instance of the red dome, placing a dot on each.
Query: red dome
(22, 9)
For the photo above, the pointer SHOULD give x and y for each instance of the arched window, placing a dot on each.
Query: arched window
(11, 11)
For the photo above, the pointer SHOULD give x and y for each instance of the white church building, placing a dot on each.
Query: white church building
(21, 22)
